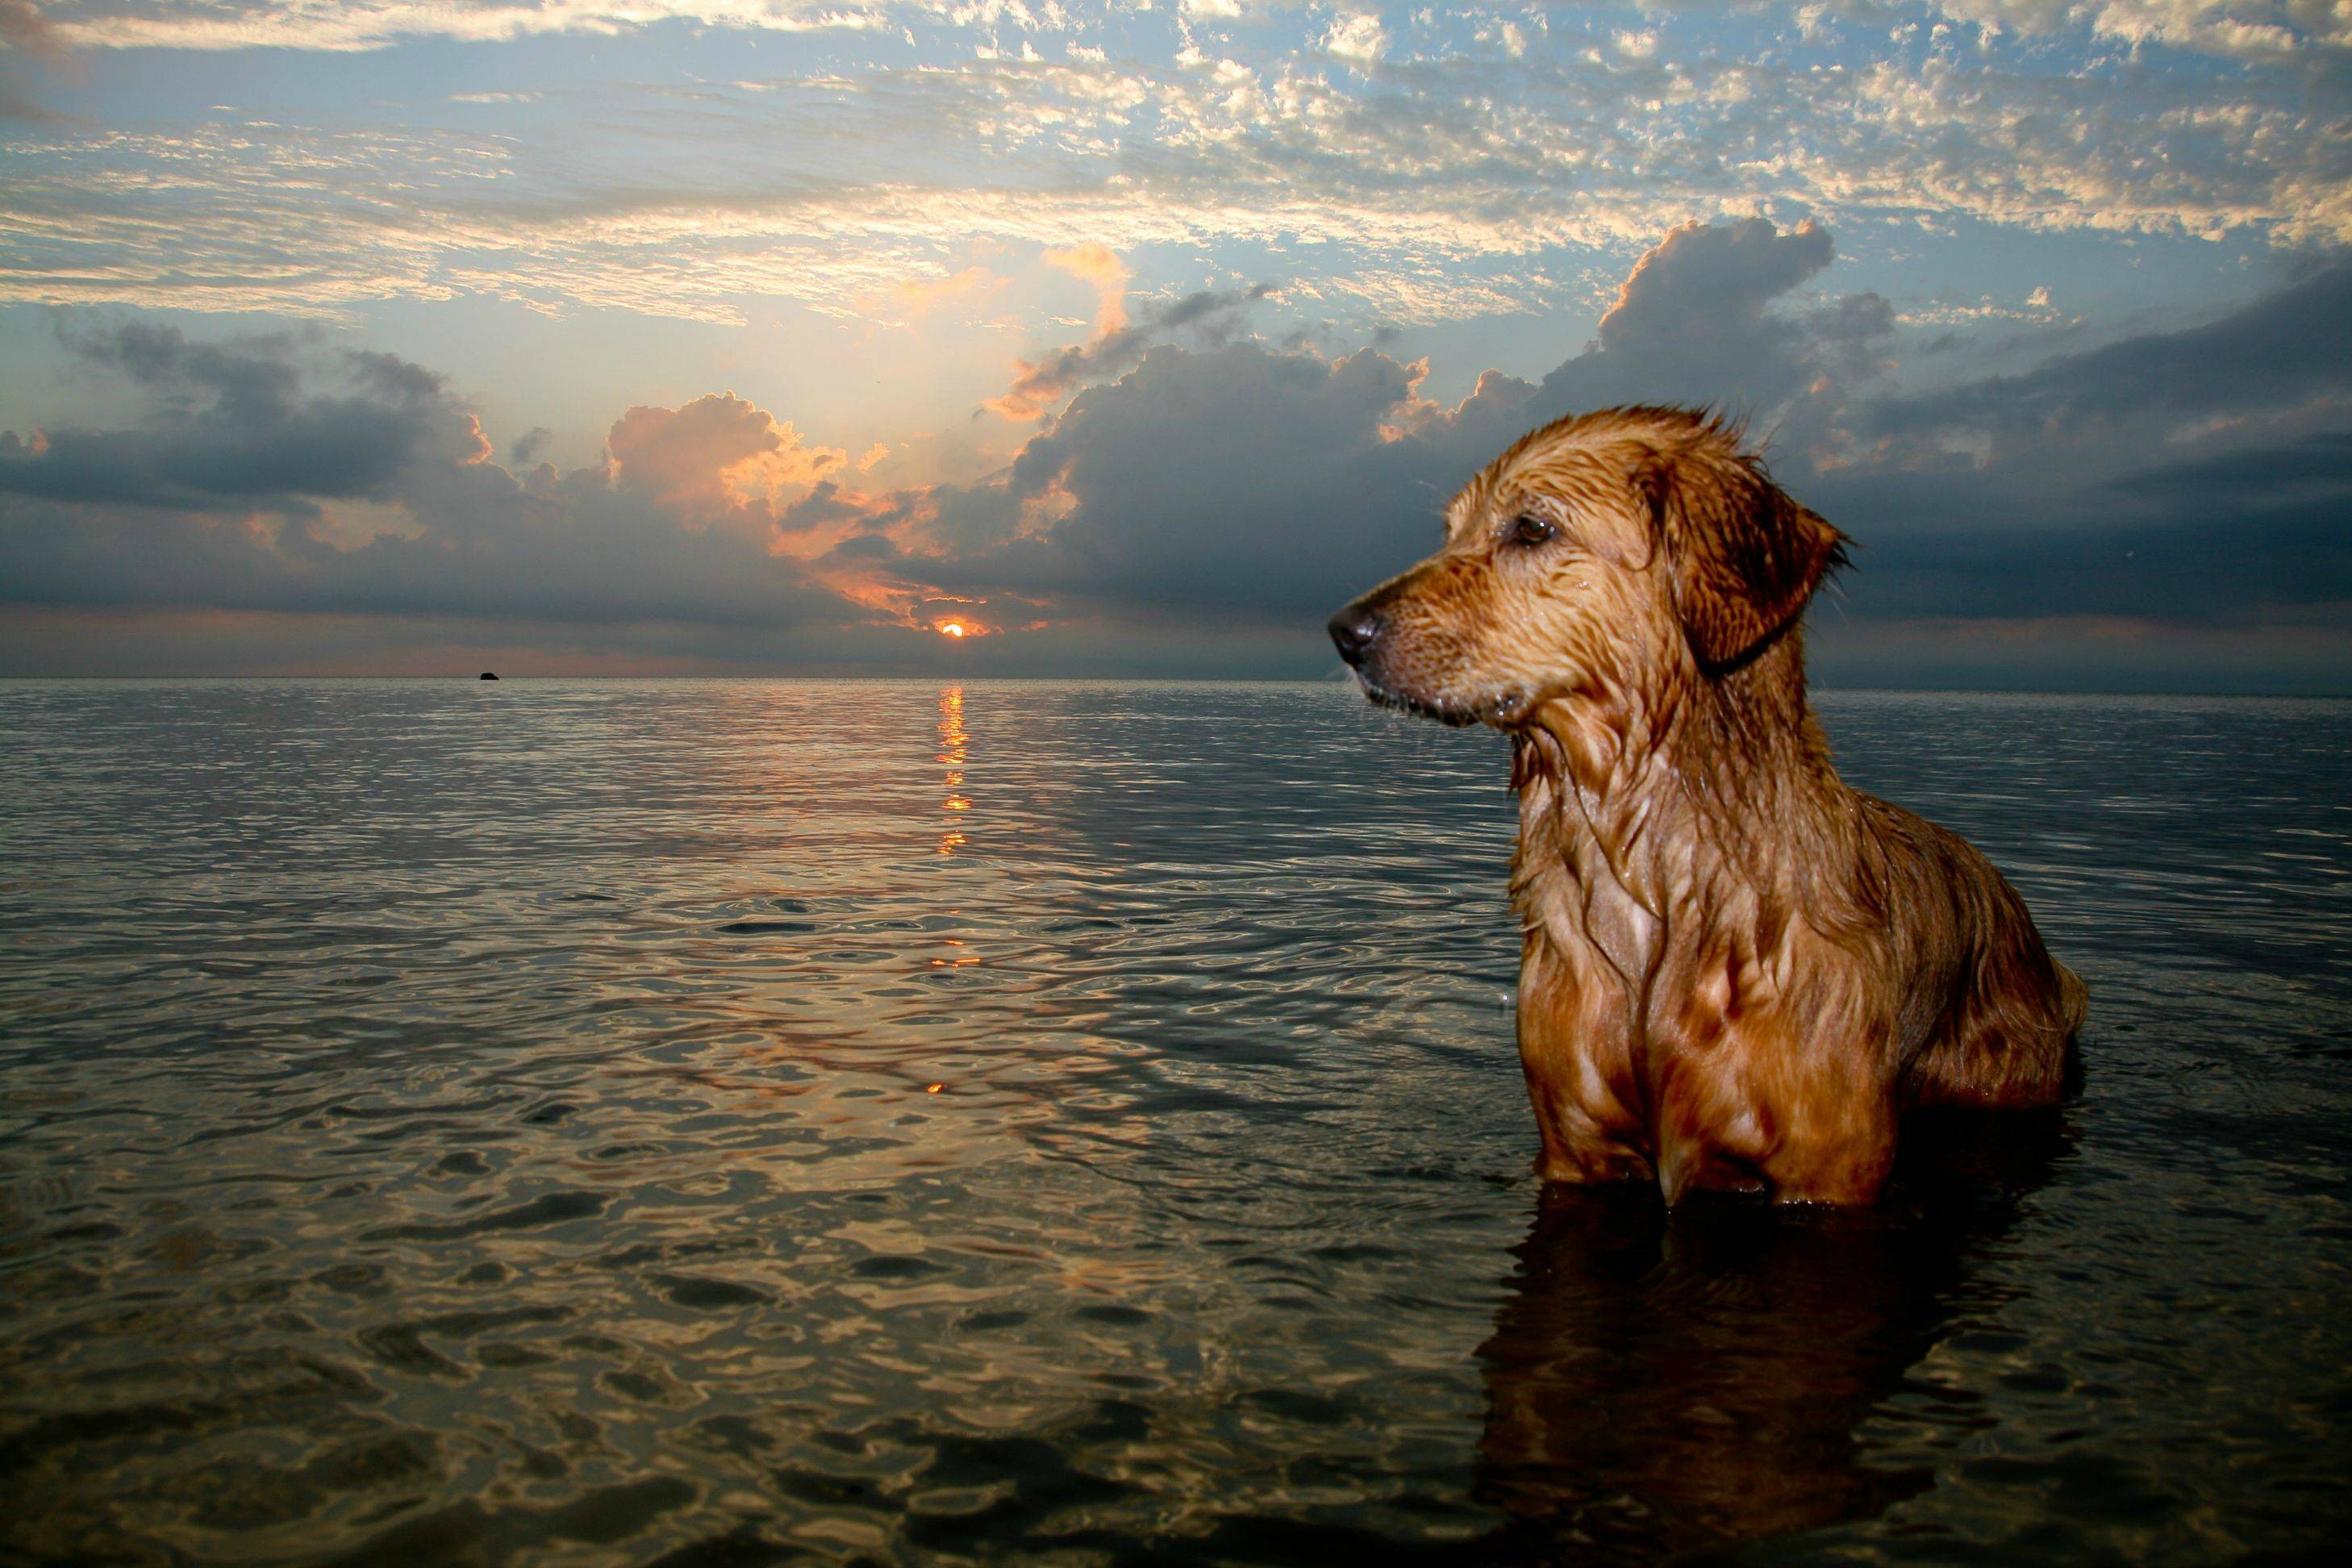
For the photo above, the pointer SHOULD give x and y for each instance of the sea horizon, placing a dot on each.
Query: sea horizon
(1816, 687)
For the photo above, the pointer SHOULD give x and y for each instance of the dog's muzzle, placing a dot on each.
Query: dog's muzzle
(1354, 630)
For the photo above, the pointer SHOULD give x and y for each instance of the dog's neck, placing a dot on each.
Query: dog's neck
(1635, 794)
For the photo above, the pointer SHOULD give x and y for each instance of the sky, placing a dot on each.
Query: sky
(763, 337)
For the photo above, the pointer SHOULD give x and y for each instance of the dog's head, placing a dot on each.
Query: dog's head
(1595, 561)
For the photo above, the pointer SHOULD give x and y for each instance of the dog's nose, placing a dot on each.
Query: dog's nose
(1353, 630)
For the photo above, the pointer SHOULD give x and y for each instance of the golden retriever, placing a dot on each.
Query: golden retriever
(1737, 972)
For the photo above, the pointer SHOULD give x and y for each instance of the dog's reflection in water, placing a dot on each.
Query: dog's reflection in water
(1674, 1384)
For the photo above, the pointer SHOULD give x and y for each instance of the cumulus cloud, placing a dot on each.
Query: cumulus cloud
(2286, 346)
(1224, 478)
(1205, 315)
(232, 490)
(1098, 265)
(1358, 38)
(970, 287)
(25, 34)
(1695, 322)
(229, 427)
(1234, 477)
(715, 454)
(1244, 480)
(2244, 29)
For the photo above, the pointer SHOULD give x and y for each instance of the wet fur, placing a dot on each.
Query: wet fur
(1736, 971)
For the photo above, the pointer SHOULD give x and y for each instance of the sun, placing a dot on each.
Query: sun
(951, 628)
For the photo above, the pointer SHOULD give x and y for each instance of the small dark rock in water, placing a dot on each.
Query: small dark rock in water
(488, 676)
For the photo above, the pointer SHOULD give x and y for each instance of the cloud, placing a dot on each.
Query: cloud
(1243, 481)
(1206, 315)
(2193, 476)
(229, 428)
(1358, 38)
(24, 27)
(358, 24)
(1099, 266)
(2242, 29)
(1694, 323)
(714, 455)
(236, 490)
(25, 32)
(1431, 190)
(2288, 345)
(1195, 488)
(1232, 478)
(2237, 29)
(970, 286)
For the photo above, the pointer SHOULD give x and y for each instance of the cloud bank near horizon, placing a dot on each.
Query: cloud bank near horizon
(1206, 492)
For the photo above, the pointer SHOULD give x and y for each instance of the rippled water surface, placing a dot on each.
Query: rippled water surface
(605, 1121)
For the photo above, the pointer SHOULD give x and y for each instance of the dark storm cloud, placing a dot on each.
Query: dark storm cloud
(1245, 479)
(2288, 345)
(1236, 481)
(2253, 478)
(223, 497)
(2225, 538)
(1695, 322)
(2213, 486)
(1207, 317)
(227, 428)
(2196, 476)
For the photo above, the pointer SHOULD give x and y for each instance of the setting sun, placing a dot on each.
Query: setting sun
(950, 628)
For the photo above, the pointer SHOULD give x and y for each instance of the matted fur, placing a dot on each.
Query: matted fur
(1737, 972)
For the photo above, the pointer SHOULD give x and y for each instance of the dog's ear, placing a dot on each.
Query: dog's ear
(1745, 556)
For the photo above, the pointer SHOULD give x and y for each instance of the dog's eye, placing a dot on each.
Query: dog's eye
(1532, 530)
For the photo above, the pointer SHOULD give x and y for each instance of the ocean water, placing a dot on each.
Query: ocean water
(578, 1122)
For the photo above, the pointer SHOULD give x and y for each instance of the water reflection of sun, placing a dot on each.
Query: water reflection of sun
(953, 740)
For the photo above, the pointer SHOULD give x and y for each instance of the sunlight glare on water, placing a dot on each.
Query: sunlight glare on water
(444, 1121)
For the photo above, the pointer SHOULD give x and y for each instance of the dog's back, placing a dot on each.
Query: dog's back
(2002, 1038)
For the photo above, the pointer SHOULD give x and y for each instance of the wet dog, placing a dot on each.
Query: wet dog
(1735, 971)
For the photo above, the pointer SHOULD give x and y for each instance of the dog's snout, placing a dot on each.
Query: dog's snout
(1353, 629)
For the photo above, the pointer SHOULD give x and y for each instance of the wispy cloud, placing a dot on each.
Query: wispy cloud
(1453, 188)
(351, 25)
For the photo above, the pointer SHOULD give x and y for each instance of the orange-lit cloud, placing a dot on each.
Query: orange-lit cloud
(919, 297)
(1206, 315)
(1039, 384)
(1100, 266)
(715, 456)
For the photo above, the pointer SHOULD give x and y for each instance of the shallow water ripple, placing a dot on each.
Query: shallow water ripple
(598, 1120)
